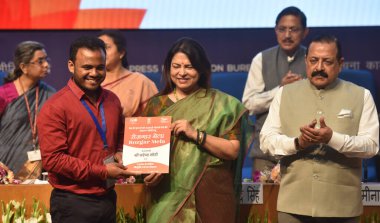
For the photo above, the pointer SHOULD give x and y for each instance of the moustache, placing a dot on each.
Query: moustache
(288, 40)
(319, 73)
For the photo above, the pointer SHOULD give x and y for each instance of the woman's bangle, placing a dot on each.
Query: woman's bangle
(204, 137)
(201, 137)
(197, 139)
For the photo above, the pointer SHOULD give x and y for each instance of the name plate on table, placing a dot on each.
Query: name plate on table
(251, 193)
(146, 146)
(371, 194)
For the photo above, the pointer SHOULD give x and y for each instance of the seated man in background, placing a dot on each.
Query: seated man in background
(272, 68)
(322, 135)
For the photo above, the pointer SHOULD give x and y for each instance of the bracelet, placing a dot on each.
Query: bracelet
(200, 140)
(204, 137)
(201, 137)
(197, 139)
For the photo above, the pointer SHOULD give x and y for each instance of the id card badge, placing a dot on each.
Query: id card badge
(34, 155)
(110, 182)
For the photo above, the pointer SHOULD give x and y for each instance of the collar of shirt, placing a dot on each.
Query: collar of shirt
(79, 93)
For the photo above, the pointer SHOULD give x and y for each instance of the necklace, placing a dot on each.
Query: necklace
(33, 125)
(175, 94)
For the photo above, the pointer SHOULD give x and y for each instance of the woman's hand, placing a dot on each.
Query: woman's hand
(219, 147)
(184, 127)
(153, 179)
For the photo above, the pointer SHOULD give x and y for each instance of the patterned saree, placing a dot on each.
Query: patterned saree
(16, 134)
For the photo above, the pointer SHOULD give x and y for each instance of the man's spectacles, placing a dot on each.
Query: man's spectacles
(291, 30)
(41, 61)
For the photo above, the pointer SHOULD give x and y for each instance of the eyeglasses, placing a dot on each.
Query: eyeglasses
(41, 61)
(291, 30)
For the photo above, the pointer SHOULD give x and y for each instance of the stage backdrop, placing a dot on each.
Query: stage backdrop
(229, 50)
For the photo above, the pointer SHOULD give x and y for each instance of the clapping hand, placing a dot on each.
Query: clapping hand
(310, 135)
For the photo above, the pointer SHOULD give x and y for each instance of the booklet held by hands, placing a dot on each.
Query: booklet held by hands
(146, 146)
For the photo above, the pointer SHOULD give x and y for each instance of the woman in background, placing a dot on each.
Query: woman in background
(21, 97)
(133, 89)
(210, 134)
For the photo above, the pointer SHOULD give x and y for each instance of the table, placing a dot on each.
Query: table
(128, 195)
(134, 195)
(270, 192)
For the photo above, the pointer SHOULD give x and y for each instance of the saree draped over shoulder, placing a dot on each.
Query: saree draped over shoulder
(15, 131)
(200, 186)
(134, 90)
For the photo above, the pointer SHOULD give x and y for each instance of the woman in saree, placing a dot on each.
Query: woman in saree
(210, 133)
(21, 97)
(132, 88)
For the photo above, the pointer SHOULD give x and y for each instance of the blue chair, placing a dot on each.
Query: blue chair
(156, 78)
(233, 84)
(362, 78)
(230, 83)
(365, 79)
(2, 75)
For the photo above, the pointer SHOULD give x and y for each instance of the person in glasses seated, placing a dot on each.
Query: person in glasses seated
(21, 97)
(271, 69)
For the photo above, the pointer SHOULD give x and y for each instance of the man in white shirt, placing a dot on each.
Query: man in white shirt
(272, 68)
(322, 136)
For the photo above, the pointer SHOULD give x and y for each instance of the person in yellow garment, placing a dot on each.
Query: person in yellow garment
(133, 89)
(210, 134)
(322, 135)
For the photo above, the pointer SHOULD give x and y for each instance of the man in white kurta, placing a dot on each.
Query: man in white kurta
(271, 68)
(322, 136)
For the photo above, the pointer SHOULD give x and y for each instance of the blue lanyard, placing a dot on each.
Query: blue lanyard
(101, 129)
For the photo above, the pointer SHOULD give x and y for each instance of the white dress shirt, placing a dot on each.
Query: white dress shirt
(255, 99)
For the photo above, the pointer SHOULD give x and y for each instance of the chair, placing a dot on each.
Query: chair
(230, 83)
(2, 75)
(156, 78)
(233, 84)
(365, 79)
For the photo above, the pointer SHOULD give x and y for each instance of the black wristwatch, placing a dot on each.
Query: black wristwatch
(297, 144)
